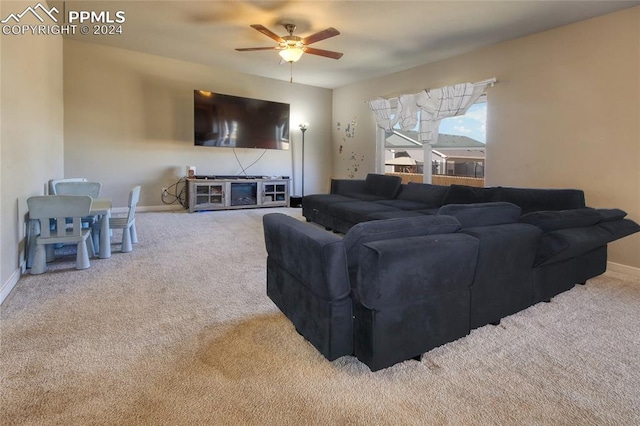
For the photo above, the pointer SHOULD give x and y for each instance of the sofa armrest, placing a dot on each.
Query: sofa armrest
(413, 294)
(307, 280)
(315, 258)
(347, 186)
(407, 270)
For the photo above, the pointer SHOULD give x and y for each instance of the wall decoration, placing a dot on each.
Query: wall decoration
(353, 160)
(350, 130)
(355, 164)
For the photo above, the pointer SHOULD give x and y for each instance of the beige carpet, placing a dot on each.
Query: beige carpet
(180, 331)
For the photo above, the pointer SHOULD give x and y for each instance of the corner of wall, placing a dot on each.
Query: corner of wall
(623, 269)
(8, 285)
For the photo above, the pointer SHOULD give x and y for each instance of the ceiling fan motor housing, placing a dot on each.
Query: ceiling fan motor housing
(291, 42)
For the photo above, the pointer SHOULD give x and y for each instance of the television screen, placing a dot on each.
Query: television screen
(236, 122)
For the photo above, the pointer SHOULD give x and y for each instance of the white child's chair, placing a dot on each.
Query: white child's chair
(92, 189)
(54, 182)
(57, 208)
(126, 223)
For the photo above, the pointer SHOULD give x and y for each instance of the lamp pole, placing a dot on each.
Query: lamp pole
(303, 129)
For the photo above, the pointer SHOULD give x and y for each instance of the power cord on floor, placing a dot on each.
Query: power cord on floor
(176, 193)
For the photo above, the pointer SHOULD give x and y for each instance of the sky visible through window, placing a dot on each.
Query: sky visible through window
(473, 124)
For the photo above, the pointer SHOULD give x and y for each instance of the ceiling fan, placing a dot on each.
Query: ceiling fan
(292, 47)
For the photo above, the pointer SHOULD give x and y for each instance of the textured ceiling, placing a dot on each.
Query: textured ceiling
(377, 37)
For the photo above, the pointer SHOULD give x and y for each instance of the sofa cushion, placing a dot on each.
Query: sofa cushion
(394, 228)
(315, 207)
(363, 196)
(531, 199)
(356, 211)
(562, 219)
(404, 204)
(482, 214)
(609, 215)
(424, 193)
(463, 194)
(427, 211)
(382, 185)
(322, 200)
(394, 214)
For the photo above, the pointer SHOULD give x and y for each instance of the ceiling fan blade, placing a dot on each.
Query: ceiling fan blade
(321, 35)
(247, 49)
(264, 30)
(325, 53)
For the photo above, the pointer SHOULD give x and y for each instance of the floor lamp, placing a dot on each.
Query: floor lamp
(303, 129)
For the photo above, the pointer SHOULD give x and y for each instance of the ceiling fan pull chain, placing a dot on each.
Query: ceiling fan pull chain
(291, 64)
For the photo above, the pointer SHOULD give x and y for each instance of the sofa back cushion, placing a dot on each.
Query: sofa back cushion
(531, 199)
(528, 199)
(610, 215)
(430, 195)
(482, 214)
(404, 227)
(344, 186)
(382, 185)
(552, 220)
(463, 194)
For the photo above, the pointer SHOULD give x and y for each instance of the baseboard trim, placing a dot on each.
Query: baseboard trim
(140, 209)
(623, 269)
(10, 284)
(163, 208)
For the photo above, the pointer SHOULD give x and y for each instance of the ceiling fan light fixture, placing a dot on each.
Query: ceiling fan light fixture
(291, 54)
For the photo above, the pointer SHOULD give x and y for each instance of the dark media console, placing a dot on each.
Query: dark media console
(216, 192)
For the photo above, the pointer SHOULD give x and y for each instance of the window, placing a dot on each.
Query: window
(460, 150)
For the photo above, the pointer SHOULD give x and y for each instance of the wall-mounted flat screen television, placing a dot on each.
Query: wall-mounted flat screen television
(236, 122)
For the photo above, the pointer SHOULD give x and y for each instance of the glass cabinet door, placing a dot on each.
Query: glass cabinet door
(274, 193)
(207, 196)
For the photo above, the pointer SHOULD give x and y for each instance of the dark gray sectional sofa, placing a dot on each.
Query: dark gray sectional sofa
(421, 265)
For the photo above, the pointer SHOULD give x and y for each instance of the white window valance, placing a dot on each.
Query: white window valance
(382, 111)
(434, 105)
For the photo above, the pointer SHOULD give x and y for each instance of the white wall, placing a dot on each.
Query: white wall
(31, 136)
(564, 113)
(129, 120)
